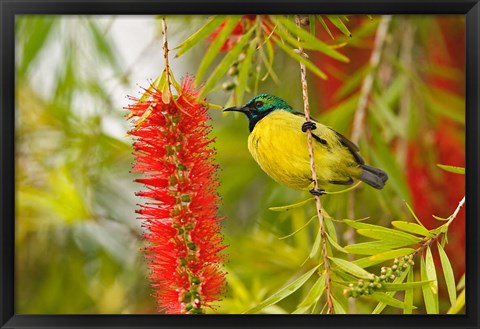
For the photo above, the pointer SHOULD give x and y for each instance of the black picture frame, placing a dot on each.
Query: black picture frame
(10, 8)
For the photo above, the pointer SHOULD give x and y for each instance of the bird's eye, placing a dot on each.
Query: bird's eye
(258, 104)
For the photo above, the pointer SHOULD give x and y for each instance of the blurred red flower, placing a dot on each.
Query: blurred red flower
(183, 231)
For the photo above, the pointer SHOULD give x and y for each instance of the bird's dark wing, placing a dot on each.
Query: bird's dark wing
(342, 139)
(351, 147)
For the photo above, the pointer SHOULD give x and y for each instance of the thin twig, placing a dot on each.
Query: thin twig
(431, 240)
(359, 117)
(165, 55)
(306, 109)
(360, 112)
(368, 80)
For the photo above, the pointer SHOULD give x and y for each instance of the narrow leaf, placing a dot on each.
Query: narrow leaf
(429, 297)
(314, 69)
(351, 268)
(245, 69)
(337, 307)
(459, 304)
(453, 169)
(381, 257)
(408, 299)
(315, 293)
(310, 40)
(404, 286)
(335, 244)
(316, 245)
(283, 292)
(448, 274)
(389, 235)
(226, 63)
(322, 21)
(200, 35)
(374, 247)
(413, 214)
(340, 25)
(387, 299)
(216, 45)
(412, 228)
(291, 206)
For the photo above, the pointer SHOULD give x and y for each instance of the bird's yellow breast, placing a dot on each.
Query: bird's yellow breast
(279, 146)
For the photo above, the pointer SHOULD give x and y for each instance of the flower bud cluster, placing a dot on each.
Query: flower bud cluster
(387, 275)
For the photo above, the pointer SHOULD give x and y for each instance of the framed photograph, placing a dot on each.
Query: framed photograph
(239, 164)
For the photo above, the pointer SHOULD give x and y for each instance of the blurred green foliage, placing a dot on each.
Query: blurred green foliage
(78, 242)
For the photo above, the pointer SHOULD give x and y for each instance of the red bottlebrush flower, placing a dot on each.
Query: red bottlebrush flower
(183, 230)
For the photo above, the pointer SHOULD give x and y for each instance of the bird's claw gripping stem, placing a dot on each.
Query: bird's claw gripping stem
(317, 192)
(308, 125)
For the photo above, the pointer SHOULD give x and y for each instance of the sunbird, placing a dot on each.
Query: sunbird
(278, 143)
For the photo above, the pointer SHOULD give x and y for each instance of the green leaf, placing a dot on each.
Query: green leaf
(448, 274)
(316, 245)
(408, 299)
(413, 213)
(390, 236)
(310, 41)
(283, 292)
(459, 304)
(337, 307)
(453, 169)
(38, 30)
(105, 49)
(291, 206)
(374, 247)
(216, 45)
(200, 35)
(245, 69)
(322, 21)
(387, 300)
(222, 68)
(314, 293)
(429, 297)
(335, 244)
(351, 268)
(330, 227)
(383, 256)
(404, 286)
(461, 282)
(309, 65)
(340, 25)
(412, 228)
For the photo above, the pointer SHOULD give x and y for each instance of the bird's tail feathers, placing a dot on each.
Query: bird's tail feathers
(373, 176)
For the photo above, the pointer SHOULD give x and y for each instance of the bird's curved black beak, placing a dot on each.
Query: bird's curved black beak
(237, 109)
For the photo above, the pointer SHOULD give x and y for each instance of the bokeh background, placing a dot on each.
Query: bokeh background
(78, 242)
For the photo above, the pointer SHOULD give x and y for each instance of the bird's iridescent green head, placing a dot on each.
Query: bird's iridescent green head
(259, 107)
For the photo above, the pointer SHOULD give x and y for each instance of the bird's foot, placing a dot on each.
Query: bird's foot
(308, 125)
(317, 192)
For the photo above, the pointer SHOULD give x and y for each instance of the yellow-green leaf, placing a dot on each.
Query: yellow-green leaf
(408, 299)
(429, 297)
(309, 65)
(310, 40)
(283, 292)
(200, 35)
(351, 268)
(389, 235)
(459, 304)
(222, 68)
(453, 169)
(381, 257)
(314, 293)
(412, 228)
(291, 206)
(340, 25)
(216, 45)
(387, 299)
(448, 274)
